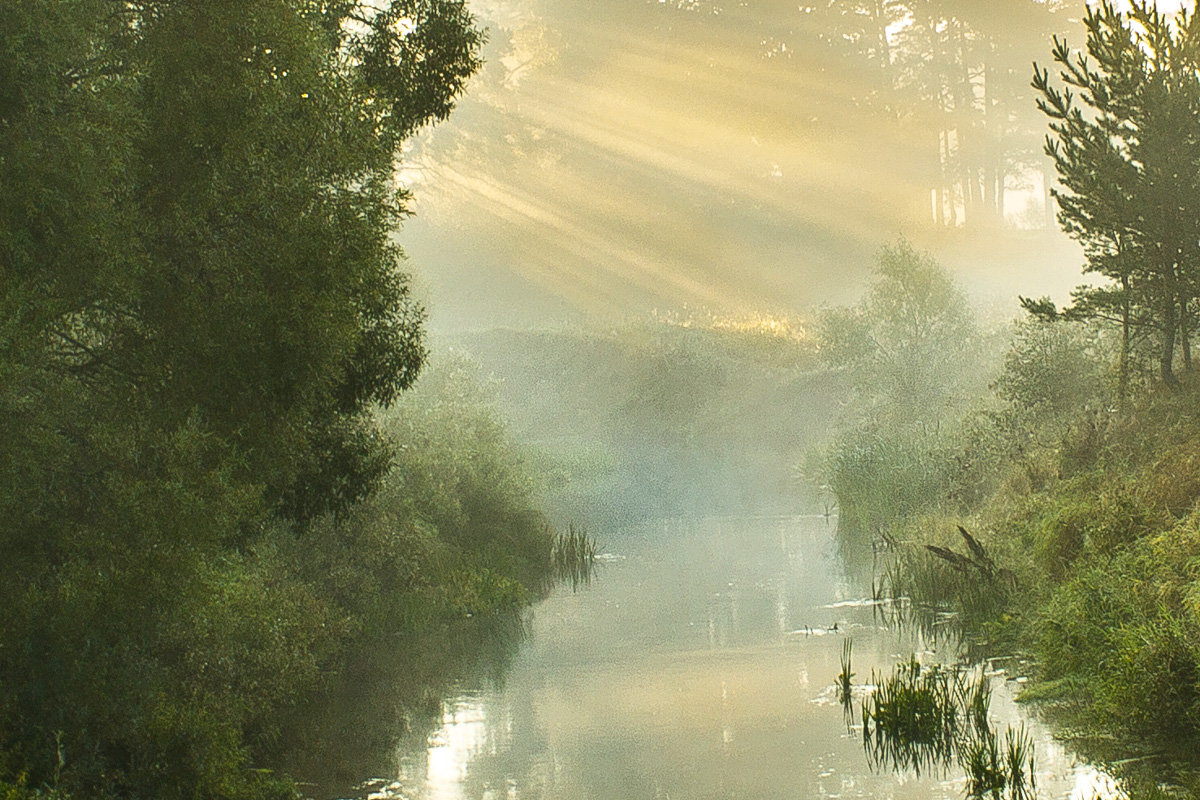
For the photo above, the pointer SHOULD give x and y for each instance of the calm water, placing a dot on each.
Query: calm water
(699, 664)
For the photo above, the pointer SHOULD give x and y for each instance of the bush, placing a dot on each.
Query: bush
(1125, 631)
(882, 476)
(1054, 369)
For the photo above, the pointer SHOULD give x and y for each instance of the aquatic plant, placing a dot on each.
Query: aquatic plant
(995, 771)
(573, 556)
(946, 594)
(912, 721)
(845, 684)
(846, 676)
(934, 717)
(984, 766)
(1019, 763)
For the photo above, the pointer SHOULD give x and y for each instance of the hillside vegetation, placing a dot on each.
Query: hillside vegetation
(1081, 511)
(1056, 511)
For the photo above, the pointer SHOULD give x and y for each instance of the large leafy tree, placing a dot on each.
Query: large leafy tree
(197, 213)
(1126, 145)
(907, 347)
(200, 304)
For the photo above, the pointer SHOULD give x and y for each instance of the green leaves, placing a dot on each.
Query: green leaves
(415, 59)
(200, 307)
(910, 340)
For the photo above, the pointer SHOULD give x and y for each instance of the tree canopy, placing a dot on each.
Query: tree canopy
(201, 302)
(909, 342)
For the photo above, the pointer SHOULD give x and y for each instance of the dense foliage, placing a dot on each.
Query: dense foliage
(201, 309)
(1055, 512)
(1054, 522)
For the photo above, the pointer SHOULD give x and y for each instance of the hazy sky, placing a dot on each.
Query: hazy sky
(619, 156)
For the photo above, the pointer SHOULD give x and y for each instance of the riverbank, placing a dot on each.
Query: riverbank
(1085, 556)
(228, 670)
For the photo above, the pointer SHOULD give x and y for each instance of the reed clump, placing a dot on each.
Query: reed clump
(573, 556)
(932, 717)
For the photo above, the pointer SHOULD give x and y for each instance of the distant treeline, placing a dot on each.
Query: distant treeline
(681, 415)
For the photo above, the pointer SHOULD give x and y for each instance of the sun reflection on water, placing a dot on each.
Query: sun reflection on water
(465, 732)
(621, 692)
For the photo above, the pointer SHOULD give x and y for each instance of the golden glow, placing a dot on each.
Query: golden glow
(667, 162)
(790, 328)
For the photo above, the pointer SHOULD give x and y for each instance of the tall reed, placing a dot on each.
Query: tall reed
(573, 556)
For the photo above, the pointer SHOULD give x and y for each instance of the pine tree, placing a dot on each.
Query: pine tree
(1125, 140)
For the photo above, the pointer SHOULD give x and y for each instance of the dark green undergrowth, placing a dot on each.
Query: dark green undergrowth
(191, 674)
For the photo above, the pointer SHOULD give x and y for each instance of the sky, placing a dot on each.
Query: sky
(621, 158)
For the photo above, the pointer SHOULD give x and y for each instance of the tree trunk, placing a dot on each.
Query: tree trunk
(948, 179)
(1123, 362)
(886, 83)
(1185, 344)
(991, 162)
(1048, 196)
(939, 190)
(964, 107)
(1166, 356)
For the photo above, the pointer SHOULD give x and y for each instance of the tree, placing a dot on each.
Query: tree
(908, 348)
(201, 303)
(203, 210)
(909, 341)
(953, 74)
(1126, 146)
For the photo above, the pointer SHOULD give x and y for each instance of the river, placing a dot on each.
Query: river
(700, 663)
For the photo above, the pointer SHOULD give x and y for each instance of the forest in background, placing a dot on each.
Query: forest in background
(679, 415)
(786, 142)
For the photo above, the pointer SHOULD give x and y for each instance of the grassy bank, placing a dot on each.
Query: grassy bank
(1100, 552)
(1049, 503)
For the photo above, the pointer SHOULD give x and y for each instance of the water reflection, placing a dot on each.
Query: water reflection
(702, 664)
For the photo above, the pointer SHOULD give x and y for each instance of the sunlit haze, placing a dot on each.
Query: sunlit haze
(619, 157)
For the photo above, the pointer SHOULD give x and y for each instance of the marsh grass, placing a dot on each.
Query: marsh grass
(912, 720)
(996, 771)
(931, 718)
(1020, 763)
(845, 679)
(845, 683)
(984, 766)
(573, 557)
(952, 594)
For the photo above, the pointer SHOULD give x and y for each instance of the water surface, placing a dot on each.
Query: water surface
(699, 664)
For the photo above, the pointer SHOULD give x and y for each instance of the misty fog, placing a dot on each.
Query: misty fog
(599, 399)
(621, 156)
